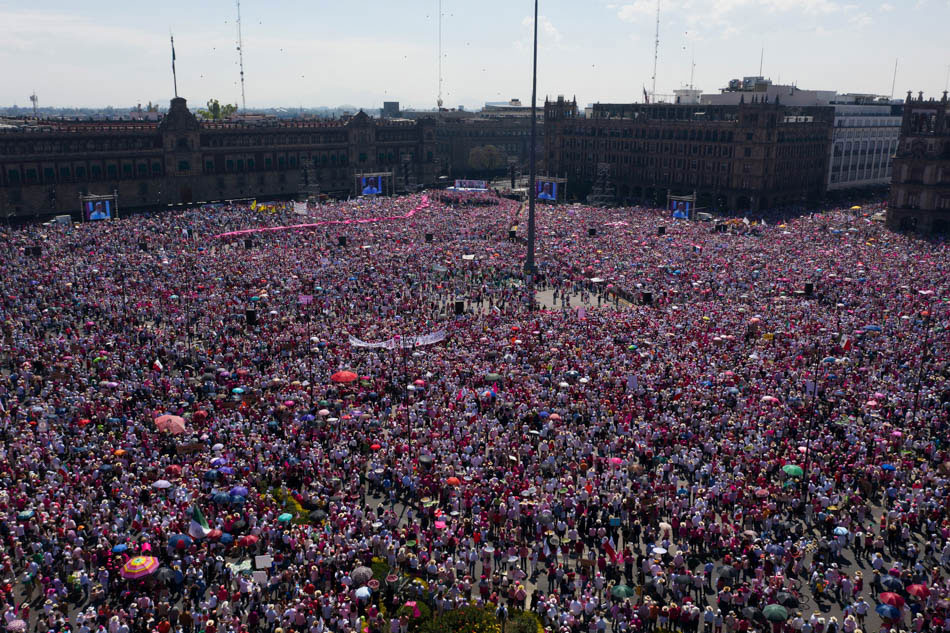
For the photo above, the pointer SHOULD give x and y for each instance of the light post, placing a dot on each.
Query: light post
(529, 266)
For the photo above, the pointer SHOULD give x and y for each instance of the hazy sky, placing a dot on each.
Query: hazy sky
(364, 52)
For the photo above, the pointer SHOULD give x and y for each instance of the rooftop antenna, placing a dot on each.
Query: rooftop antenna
(35, 101)
(439, 99)
(174, 75)
(692, 68)
(240, 48)
(946, 84)
(761, 59)
(894, 81)
(656, 51)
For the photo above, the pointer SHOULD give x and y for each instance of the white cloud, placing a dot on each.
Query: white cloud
(887, 7)
(548, 34)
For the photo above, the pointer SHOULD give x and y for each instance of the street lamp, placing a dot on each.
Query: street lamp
(529, 266)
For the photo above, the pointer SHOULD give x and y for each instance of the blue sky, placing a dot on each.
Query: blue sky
(323, 52)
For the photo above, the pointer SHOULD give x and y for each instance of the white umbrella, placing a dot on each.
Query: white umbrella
(162, 484)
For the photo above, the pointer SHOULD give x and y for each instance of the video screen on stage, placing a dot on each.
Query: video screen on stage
(371, 185)
(681, 208)
(547, 190)
(471, 184)
(97, 210)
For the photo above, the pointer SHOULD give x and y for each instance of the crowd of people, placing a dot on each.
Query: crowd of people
(207, 431)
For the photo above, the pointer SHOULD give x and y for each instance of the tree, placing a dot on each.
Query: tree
(216, 111)
(486, 157)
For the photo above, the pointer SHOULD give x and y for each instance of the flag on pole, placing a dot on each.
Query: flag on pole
(646, 97)
(199, 527)
(157, 365)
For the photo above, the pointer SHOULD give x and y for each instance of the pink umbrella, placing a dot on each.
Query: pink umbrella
(170, 424)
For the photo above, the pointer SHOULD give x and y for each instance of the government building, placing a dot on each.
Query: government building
(46, 167)
(920, 191)
(758, 154)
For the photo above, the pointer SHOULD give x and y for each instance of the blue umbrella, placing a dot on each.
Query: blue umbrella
(829, 360)
(543, 414)
(118, 549)
(238, 500)
(221, 497)
(892, 583)
(226, 538)
(887, 611)
(888, 467)
(105, 468)
(237, 390)
(872, 328)
(240, 491)
(25, 515)
(211, 475)
(841, 531)
(227, 470)
(308, 418)
(179, 541)
(218, 461)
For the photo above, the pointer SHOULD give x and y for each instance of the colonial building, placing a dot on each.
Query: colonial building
(44, 168)
(866, 128)
(747, 157)
(920, 190)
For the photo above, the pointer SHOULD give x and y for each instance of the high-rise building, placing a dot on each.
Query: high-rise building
(920, 190)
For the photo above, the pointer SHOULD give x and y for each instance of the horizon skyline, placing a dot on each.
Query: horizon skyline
(107, 58)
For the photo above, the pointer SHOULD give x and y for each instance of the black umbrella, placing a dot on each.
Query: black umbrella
(751, 613)
(317, 515)
(727, 571)
(165, 576)
(786, 599)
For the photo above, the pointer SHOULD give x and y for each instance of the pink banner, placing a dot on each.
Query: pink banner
(424, 204)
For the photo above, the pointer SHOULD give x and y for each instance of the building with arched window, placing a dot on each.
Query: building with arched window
(45, 167)
(920, 189)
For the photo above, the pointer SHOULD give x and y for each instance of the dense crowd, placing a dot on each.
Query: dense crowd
(191, 443)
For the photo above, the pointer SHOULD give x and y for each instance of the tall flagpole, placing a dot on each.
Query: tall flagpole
(174, 75)
(532, 166)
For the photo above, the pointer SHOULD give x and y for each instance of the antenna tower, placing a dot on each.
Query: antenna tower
(894, 81)
(692, 69)
(656, 51)
(35, 101)
(439, 100)
(240, 48)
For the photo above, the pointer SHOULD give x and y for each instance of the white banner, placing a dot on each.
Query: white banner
(398, 342)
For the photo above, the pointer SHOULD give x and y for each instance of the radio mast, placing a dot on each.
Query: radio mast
(656, 51)
(438, 101)
(240, 48)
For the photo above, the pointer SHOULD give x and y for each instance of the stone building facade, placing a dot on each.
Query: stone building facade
(747, 157)
(181, 160)
(920, 189)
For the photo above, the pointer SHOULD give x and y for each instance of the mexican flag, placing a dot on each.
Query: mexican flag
(199, 527)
